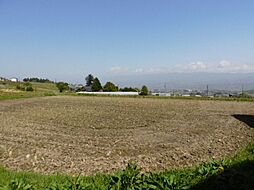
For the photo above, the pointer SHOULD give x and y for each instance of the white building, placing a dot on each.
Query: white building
(161, 94)
(111, 93)
(14, 79)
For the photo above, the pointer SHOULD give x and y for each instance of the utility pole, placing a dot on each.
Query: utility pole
(165, 87)
(242, 89)
(207, 90)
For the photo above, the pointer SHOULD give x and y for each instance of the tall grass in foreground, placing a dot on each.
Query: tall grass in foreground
(236, 172)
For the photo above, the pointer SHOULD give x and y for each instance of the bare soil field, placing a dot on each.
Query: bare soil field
(101, 134)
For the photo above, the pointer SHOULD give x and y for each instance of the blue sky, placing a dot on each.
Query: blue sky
(66, 40)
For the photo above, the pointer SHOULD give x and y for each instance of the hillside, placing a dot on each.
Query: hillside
(8, 90)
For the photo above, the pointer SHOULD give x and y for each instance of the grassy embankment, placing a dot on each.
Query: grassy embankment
(8, 90)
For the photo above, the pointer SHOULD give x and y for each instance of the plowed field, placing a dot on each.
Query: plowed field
(101, 134)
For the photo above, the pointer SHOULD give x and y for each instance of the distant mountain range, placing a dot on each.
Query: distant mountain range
(250, 91)
(198, 81)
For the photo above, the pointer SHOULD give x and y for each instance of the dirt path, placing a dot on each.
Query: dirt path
(100, 134)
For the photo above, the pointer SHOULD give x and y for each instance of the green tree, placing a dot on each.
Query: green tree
(89, 80)
(144, 91)
(96, 86)
(129, 89)
(29, 88)
(62, 86)
(110, 87)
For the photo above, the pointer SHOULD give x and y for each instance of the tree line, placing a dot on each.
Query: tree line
(95, 85)
(92, 84)
(35, 79)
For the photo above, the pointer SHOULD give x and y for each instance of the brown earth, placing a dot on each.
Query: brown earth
(101, 134)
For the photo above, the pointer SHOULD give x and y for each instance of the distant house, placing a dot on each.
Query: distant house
(235, 94)
(88, 88)
(221, 94)
(14, 79)
(161, 94)
(76, 87)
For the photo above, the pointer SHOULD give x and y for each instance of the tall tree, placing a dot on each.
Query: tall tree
(89, 80)
(110, 87)
(144, 91)
(96, 86)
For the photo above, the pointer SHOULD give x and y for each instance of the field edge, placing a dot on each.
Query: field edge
(206, 175)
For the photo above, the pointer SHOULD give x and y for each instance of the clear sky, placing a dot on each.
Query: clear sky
(67, 39)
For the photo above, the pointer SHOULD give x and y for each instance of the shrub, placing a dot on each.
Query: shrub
(25, 87)
(29, 89)
(19, 87)
(49, 94)
(62, 86)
